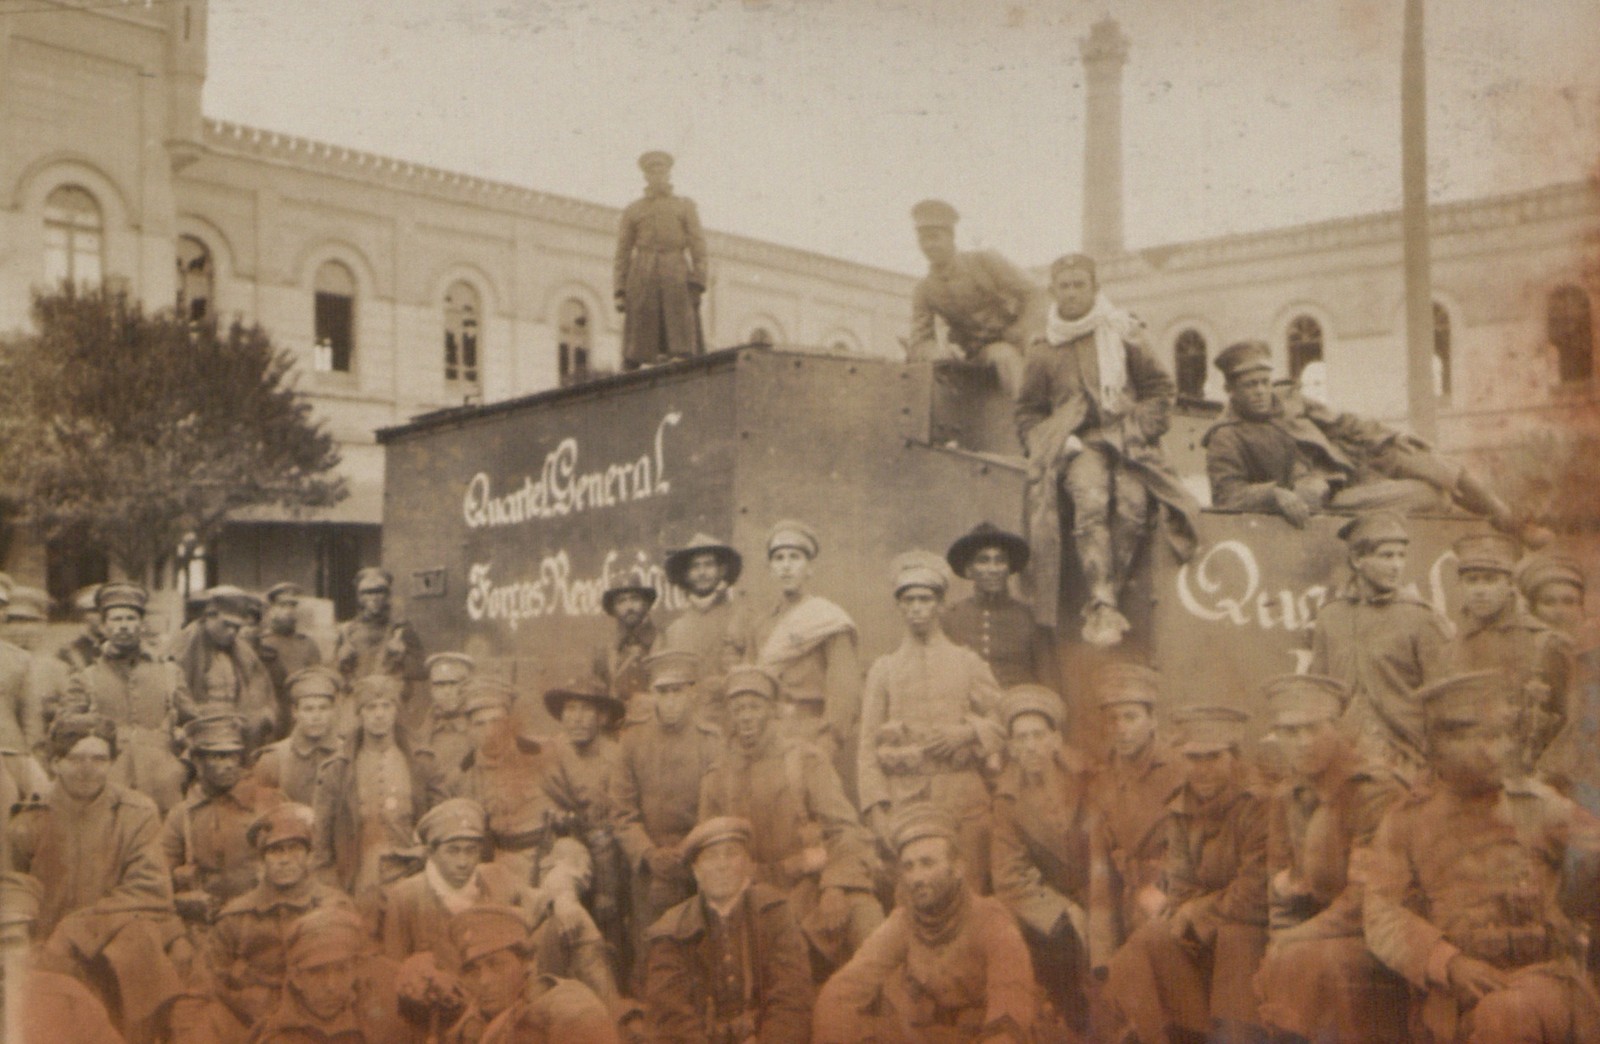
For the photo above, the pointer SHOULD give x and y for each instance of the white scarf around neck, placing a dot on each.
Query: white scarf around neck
(1110, 325)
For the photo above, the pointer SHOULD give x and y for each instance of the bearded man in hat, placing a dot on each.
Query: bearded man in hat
(655, 790)
(1378, 638)
(930, 719)
(1187, 973)
(335, 988)
(806, 837)
(130, 684)
(991, 310)
(1130, 795)
(375, 641)
(619, 664)
(1094, 404)
(290, 765)
(729, 964)
(1463, 889)
(992, 623)
(221, 673)
(947, 964)
(443, 735)
(705, 570)
(1318, 980)
(660, 271)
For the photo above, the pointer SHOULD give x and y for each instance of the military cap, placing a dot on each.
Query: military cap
(655, 157)
(1373, 528)
(313, 681)
(234, 601)
(451, 657)
(324, 936)
(1489, 551)
(374, 578)
(921, 820)
(589, 690)
(453, 820)
(28, 603)
(284, 590)
(984, 535)
(287, 821)
(934, 213)
(1029, 698)
(83, 599)
(1464, 699)
(1242, 357)
(481, 930)
(1301, 699)
(621, 585)
(748, 678)
(119, 594)
(919, 569)
(714, 831)
(677, 564)
(791, 533)
(1118, 682)
(374, 687)
(1547, 567)
(215, 733)
(1207, 730)
(482, 692)
(68, 730)
(673, 666)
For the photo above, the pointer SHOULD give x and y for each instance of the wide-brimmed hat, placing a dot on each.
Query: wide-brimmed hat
(588, 689)
(622, 585)
(982, 535)
(677, 564)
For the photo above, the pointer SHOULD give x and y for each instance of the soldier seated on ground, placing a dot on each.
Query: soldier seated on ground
(335, 988)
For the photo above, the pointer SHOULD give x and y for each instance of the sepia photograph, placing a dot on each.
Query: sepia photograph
(799, 522)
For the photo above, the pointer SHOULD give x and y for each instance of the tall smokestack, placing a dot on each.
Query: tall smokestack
(1105, 52)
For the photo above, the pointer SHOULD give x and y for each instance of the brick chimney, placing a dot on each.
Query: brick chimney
(1105, 52)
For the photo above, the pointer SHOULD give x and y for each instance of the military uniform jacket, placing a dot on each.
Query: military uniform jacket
(137, 691)
(1003, 631)
(254, 696)
(508, 777)
(979, 295)
(290, 765)
(206, 834)
(244, 963)
(22, 698)
(1536, 658)
(1039, 854)
(338, 811)
(704, 970)
(372, 1017)
(1217, 856)
(661, 255)
(1061, 383)
(704, 628)
(655, 790)
(1247, 458)
(620, 664)
(820, 675)
(1127, 841)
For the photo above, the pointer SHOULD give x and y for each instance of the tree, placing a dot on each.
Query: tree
(129, 430)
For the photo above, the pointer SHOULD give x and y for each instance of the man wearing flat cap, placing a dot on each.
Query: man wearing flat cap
(705, 570)
(130, 684)
(376, 641)
(221, 673)
(990, 308)
(1039, 857)
(1131, 794)
(619, 663)
(948, 964)
(1188, 973)
(660, 271)
(290, 765)
(809, 644)
(1463, 891)
(728, 964)
(930, 718)
(282, 646)
(655, 791)
(1378, 638)
(1553, 584)
(1318, 981)
(335, 988)
(993, 624)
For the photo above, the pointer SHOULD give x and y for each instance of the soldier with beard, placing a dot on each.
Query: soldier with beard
(619, 664)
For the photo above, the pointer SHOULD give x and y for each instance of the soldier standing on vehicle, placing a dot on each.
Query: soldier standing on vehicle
(619, 664)
(992, 623)
(660, 271)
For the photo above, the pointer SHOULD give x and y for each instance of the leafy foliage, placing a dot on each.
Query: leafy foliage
(130, 430)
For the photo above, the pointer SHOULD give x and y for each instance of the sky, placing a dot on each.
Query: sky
(817, 123)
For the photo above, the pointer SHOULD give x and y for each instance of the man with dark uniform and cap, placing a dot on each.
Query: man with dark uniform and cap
(809, 644)
(930, 719)
(1039, 858)
(203, 838)
(1130, 795)
(1276, 452)
(948, 964)
(655, 791)
(992, 623)
(660, 271)
(335, 988)
(134, 687)
(442, 734)
(705, 570)
(1187, 974)
(1497, 633)
(1380, 640)
(1463, 889)
(806, 838)
(290, 765)
(84, 648)
(1094, 404)
(509, 1001)
(991, 310)
(728, 965)
(222, 674)
(284, 649)
(1318, 981)
(1553, 584)
(620, 662)
(376, 642)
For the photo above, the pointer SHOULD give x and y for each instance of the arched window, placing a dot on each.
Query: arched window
(1441, 350)
(335, 317)
(461, 314)
(760, 335)
(195, 279)
(573, 328)
(1305, 344)
(74, 235)
(1189, 364)
(1570, 327)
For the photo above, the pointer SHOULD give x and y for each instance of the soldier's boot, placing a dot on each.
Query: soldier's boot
(1473, 495)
